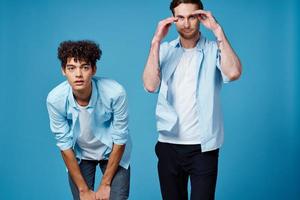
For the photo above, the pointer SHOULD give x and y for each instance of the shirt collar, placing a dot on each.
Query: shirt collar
(93, 98)
(200, 44)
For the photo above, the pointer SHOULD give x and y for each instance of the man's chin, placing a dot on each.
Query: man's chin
(188, 36)
(79, 88)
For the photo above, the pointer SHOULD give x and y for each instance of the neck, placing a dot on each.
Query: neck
(189, 43)
(83, 97)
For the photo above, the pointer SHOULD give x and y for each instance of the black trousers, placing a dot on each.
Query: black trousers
(178, 163)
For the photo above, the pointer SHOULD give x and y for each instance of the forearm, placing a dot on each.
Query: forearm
(230, 63)
(151, 76)
(74, 170)
(113, 164)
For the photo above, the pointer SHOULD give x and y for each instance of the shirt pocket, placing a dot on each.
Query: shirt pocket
(103, 117)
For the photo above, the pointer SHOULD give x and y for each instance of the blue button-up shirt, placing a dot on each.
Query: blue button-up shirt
(209, 83)
(108, 107)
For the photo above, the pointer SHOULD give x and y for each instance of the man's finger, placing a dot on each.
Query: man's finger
(169, 20)
(201, 12)
(202, 17)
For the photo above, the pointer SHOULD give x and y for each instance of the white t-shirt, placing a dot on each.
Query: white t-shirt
(183, 98)
(92, 148)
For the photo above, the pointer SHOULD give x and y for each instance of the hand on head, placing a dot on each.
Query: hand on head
(207, 19)
(163, 28)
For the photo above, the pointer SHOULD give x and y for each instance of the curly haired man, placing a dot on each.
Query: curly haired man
(89, 118)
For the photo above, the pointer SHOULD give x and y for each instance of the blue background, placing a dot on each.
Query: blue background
(260, 157)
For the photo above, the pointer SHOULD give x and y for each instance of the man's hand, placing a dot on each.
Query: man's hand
(207, 19)
(163, 28)
(103, 192)
(87, 195)
(230, 63)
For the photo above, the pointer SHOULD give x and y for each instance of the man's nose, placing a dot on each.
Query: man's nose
(186, 23)
(78, 72)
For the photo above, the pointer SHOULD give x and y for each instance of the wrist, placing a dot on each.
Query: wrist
(155, 41)
(83, 189)
(105, 183)
(218, 32)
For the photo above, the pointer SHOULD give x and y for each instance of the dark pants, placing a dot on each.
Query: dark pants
(120, 184)
(178, 163)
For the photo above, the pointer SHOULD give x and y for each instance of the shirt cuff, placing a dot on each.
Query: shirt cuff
(64, 145)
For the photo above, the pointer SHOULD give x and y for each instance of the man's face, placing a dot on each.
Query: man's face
(79, 74)
(187, 24)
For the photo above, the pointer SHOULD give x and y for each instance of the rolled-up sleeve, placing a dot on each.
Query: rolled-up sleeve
(224, 77)
(120, 119)
(60, 127)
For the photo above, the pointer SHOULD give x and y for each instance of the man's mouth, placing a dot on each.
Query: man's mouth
(187, 30)
(79, 82)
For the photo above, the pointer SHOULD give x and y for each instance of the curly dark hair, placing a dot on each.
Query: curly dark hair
(82, 50)
(176, 3)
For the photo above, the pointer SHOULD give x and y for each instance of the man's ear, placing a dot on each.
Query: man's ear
(63, 71)
(94, 70)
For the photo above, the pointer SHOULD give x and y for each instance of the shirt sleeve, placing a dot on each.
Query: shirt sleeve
(120, 119)
(224, 77)
(163, 48)
(60, 127)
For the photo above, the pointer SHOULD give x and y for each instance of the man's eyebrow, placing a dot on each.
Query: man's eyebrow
(191, 15)
(70, 65)
(85, 63)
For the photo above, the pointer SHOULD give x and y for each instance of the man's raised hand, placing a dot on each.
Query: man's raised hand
(163, 28)
(207, 19)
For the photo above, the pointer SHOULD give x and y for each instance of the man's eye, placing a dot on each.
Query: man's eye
(180, 18)
(70, 68)
(86, 67)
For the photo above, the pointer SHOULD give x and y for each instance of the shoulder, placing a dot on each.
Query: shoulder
(208, 45)
(59, 95)
(109, 87)
(167, 48)
(169, 44)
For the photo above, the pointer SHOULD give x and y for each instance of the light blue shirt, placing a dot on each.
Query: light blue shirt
(209, 83)
(108, 106)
